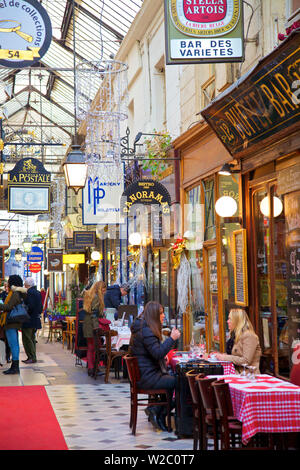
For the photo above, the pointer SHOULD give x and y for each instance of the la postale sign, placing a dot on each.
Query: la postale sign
(204, 31)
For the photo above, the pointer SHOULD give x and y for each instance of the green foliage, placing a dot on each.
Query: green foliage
(157, 146)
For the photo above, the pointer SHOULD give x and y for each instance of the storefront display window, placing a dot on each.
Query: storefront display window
(194, 225)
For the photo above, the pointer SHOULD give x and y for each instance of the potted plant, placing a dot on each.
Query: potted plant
(157, 146)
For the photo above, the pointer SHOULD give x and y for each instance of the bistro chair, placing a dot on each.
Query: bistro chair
(135, 391)
(104, 350)
(56, 329)
(198, 409)
(210, 422)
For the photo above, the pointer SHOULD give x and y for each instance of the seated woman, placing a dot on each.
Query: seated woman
(93, 305)
(146, 345)
(243, 346)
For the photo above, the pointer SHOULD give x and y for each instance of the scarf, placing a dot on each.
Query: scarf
(3, 315)
(230, 343)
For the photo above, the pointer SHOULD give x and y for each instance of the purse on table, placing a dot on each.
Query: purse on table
(18, 314)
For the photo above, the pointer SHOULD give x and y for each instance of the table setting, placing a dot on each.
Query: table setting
(264, 403)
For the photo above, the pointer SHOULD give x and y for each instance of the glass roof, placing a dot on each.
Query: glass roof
(38, 102)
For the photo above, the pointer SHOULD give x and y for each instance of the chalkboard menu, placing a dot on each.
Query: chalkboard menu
(240, 267)
(1, 263)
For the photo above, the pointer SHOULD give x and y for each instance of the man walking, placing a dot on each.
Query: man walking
(34, 303)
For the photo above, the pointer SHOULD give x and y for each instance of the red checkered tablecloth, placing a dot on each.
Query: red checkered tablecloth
(267, 405)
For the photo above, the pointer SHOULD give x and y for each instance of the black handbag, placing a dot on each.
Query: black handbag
(18, 314)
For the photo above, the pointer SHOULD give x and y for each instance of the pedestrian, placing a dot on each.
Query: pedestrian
(35, 307)
(93, 305)
(13, 298)
(3, 295)
(114, 294)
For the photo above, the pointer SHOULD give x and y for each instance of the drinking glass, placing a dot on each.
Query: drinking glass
(244, 373)
(252, 370)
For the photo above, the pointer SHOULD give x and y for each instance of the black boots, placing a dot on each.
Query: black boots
(14, 369)
(156, 416)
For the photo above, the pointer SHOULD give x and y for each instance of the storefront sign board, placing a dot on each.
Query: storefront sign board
(55, 259)
(204, 31)
(263, 103)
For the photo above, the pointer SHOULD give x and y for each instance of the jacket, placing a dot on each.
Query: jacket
(91, 319)
(245, 351)
(150, 353)
(33, 301)
(112, 297)
(16, 298)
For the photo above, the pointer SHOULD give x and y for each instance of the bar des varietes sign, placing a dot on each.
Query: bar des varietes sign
(204, 31)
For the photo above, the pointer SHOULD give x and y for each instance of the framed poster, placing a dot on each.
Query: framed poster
(28, 199)
(240, 267)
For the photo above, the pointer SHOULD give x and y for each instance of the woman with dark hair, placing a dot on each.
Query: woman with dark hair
(15, 296)
(93, 305)
(146, 345)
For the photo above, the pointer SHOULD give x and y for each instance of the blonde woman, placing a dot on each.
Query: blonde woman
(93, 304)
(243, 346)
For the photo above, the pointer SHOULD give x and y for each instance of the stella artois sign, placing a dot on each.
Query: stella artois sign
(204, 31)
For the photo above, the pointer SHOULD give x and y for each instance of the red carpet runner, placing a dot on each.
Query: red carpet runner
(27, 420)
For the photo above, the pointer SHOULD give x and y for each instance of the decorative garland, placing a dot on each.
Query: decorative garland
(177, 249)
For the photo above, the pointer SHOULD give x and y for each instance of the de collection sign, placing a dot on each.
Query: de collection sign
(204, 31)
(25, 32)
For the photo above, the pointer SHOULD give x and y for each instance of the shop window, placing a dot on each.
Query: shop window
(193, 227)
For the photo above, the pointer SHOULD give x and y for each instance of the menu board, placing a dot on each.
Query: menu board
(240, 267)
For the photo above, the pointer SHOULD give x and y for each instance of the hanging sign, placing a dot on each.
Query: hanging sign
(204, 31)
(5, 238)
(84, 239)
(101, 199)
(36, 255)
(55, 259)
(76, 258)
(35, 267)
(25, 32)
(29, 187)
(264, 103)
(146, 192)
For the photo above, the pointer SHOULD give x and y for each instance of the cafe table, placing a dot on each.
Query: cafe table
(123, 337)
(264, 405)
(228, 367)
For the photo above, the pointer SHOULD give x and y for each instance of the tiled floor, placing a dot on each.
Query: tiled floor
(92, 415)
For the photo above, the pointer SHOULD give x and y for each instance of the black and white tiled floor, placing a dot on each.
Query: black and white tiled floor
(96, 417)
(92, 415)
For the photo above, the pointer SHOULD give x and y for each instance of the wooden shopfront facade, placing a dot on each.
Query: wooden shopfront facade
(258, 122)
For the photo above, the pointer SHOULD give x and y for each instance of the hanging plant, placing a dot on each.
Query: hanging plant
(156, 147)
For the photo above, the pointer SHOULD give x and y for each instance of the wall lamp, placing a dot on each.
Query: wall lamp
(228, 169)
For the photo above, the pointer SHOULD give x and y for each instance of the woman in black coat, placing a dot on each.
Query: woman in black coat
(146, 345)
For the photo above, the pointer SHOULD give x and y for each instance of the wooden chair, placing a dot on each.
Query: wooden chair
(210, 422)
(135, 391)
(102, 339)
(55, 328)
(198, 410)
(68, 332)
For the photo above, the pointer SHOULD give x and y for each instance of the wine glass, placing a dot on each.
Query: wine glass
(244, 373)
(252, 370)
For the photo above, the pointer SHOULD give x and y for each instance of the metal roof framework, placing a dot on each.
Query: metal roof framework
(37, 103)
